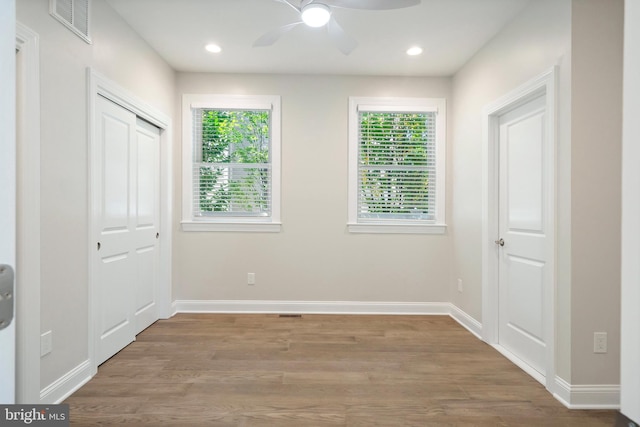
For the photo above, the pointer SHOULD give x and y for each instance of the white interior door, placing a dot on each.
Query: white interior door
(127, 190)
(524, 276)
(7, 189)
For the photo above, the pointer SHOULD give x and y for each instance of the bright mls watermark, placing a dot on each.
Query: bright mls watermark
(34, 415)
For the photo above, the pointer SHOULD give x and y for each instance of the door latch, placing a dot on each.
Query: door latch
(6, 295)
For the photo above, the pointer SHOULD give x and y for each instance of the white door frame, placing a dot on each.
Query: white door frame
(7, 184)
(28, 231)
(629, 334)
(100, 85)
(545, 84)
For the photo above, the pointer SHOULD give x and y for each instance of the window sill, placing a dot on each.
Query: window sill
(397, 228)
(250, 227)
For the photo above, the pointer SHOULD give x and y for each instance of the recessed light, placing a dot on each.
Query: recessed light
(213, 48)
(414, 51)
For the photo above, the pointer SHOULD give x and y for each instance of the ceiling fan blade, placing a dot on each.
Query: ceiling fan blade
(342, 40)
(371, 4)
(272, 36)
(288, 2)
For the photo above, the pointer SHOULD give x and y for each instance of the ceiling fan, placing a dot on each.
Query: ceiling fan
(318, 13)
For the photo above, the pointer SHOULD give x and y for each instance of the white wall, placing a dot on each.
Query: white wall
(119, 54)
(596, 142)
(584, 39)
(630, 348)
(314, 258)
(536, 40)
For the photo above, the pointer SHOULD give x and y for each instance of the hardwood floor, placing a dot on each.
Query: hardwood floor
(317, 370)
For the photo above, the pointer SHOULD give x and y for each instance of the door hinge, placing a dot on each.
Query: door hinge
(6, 295)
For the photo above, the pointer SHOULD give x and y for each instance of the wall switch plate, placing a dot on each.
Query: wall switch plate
(459, 285)
(599, 342)
(46, 343)
(251, 278)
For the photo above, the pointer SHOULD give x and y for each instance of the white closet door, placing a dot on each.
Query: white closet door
(126, 261)
(147, 221)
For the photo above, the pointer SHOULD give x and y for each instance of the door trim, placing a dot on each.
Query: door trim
(544, 84)
(98, 85)
(28, 238)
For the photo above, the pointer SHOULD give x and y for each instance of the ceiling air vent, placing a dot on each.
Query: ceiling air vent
(74, 14)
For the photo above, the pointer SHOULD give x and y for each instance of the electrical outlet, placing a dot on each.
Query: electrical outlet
(251, 278)
(459, 285)
(599, 342)
(46, 343)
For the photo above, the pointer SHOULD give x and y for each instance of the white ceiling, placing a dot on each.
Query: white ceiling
(450, 31)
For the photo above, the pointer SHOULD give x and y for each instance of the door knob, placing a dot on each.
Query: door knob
(500, 242)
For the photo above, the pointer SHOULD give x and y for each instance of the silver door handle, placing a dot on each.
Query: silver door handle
(500, 242)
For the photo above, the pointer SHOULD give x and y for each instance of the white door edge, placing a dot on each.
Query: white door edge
(7, 185)
(544, 84)
(98, 85)
(28, 199)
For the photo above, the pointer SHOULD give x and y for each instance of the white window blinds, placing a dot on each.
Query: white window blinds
(232, 169)
(396, 165)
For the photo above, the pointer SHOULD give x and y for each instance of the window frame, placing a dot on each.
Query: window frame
(392, 105)
(272, 223)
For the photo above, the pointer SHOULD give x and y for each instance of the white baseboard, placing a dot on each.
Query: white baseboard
(598, 396)
(468, 322)
(66, 385)
(520, 363)
(331, 307)
(311, 307)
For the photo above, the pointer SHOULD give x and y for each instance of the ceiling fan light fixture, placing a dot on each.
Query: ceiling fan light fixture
(316, 15)
(213, 48)
(414, 51)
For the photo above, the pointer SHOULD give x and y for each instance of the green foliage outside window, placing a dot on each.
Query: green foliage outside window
(234, 171)
(396, 159)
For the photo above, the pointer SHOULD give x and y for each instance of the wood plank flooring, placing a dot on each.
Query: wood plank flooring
(317, 370)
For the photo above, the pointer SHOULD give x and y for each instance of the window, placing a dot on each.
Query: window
(231, 163)
(396, 165)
